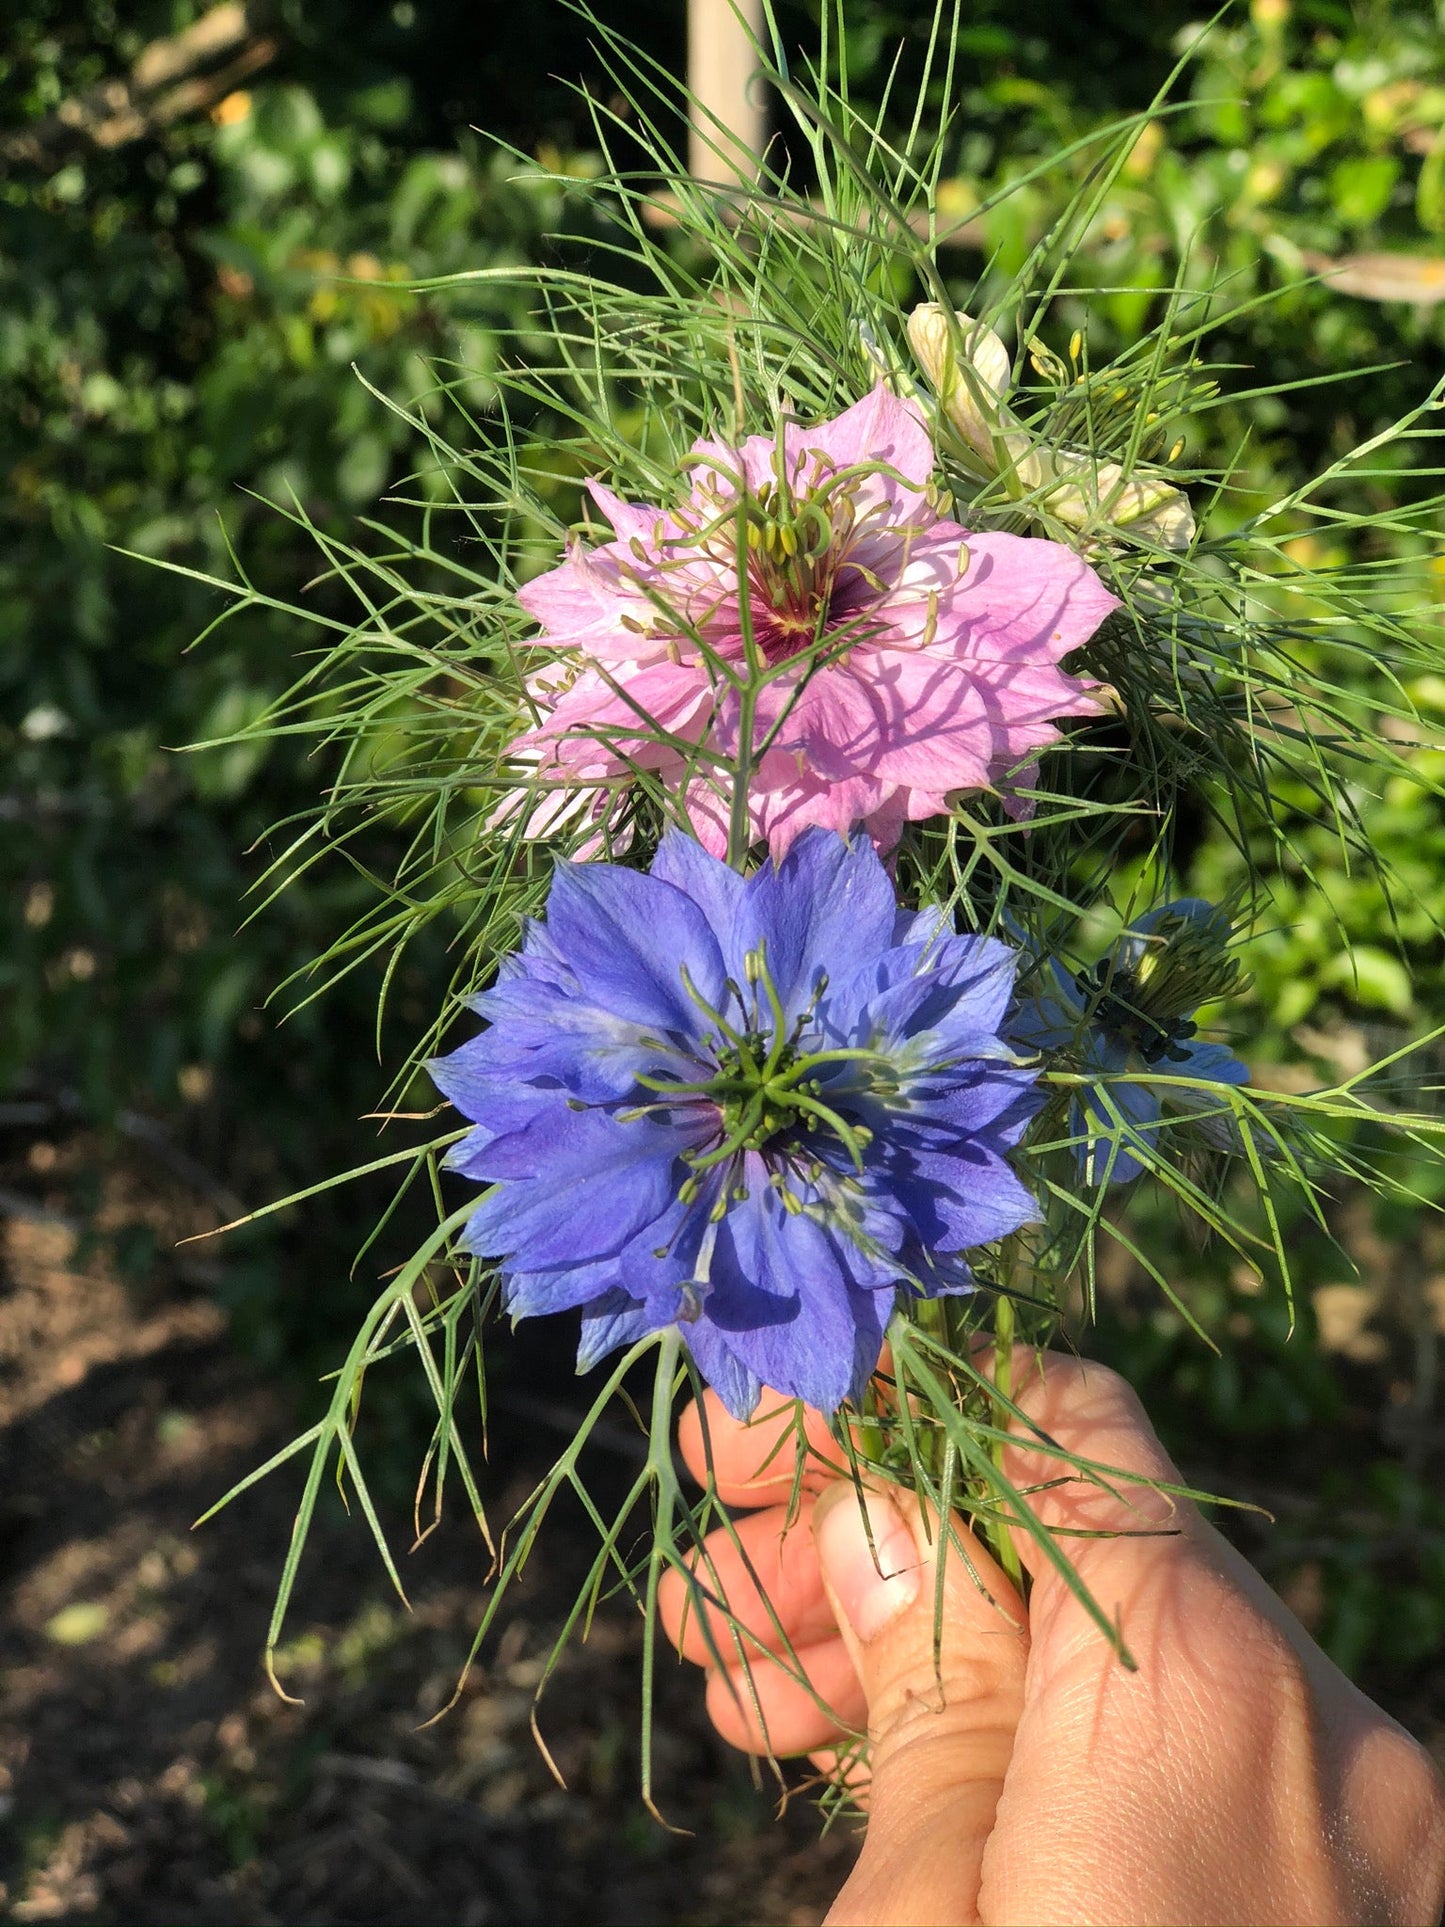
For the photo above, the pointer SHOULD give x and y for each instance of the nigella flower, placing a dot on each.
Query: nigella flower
(1132, 1014)
(904, 658)
(755, 1108)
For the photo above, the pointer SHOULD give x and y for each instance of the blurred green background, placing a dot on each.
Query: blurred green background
(208, 221)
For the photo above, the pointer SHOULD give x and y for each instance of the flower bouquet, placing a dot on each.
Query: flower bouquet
(796, 708)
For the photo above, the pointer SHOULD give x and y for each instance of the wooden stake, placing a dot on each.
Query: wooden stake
(729, 123)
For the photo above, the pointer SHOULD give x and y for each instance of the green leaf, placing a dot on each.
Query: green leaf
(1360, 189)
(1430, 188)
(1371, 977)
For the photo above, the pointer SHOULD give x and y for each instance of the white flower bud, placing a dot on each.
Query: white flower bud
(970, 372)
(1146, 505)
(969, 369)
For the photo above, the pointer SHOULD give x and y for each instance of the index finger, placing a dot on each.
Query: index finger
(1089, 1411)
(1121, 1532)
(754, 1462)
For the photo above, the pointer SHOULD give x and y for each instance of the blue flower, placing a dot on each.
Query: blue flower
(1130, 1014)
(751, 1107)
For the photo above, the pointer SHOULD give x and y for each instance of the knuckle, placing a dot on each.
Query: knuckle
(931, 1750)
(1068, 1380)
(969, 1701)
(1417, 1792)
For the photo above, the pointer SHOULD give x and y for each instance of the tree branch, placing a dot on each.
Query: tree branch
(171, 78)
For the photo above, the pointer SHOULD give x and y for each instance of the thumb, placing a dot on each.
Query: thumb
(941, 1710)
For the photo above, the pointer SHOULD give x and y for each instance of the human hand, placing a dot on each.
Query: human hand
(1236, 1776)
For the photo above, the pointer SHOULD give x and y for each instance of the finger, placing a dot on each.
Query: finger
(1089, 1410)
(1091, 1413)
(941, 1656)
(766, 1707)
(755, 1462)
(764, 1576)
(1118, 1525)
(845, 1766)
(1221, 1749)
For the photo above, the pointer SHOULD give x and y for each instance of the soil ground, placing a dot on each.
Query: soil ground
(150, 1774)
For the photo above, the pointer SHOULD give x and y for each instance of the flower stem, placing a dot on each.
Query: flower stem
(739, 821)
(739, 825)
(661, 1470)
(1003, 1357)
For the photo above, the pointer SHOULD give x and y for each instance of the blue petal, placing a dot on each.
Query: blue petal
(540, 1031)
(537, 1294)
(655, 1265)
(526, 1223)
(825, 907)
(1106, 1155)
(958, 1201)
(628, 937)
(977, 1101)
(921, 926)
(716, 889)
(611, 1322)
(1215, 1063)
(550, 1138)
(582, 1184)
(960, 986)
(539, 958)
(780, 1298)
(737, 1386)
(941, 1274)
(1182, 909)
(1049, 1011)
(504, 1110)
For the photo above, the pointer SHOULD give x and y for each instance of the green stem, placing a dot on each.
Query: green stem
(660, 1469)
(1003, 1356)
(739, 821)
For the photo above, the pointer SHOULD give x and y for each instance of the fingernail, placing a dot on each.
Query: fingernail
(872, 1568)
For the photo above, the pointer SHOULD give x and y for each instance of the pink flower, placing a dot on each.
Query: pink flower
(905, 659)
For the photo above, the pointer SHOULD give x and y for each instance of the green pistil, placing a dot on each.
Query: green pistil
(766, 1085)
(1119, 1007)
(1149, 1000)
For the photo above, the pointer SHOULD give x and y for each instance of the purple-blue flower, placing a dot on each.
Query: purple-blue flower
(754, 1107)
(1131, 1014)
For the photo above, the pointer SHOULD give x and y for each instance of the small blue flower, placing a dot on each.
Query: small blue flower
(1130, 1014)
(752, 1107)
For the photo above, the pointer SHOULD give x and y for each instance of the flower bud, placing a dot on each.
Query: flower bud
(1146, 505)
(1176, 958)
(969, 369)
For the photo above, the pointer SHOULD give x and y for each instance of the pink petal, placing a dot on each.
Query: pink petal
(880, 428)
(949, 680)
(629, 519)
(925, 803)
(708, 815)
(885, 824)
(716, 467)
(1008, 781)
(782, 810)
(940, 733)
(580, 604)
(833, 723)
(1023, 600)
(915, 564)
(665, 698)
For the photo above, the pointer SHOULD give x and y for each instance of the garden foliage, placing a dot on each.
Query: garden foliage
(222, 305)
